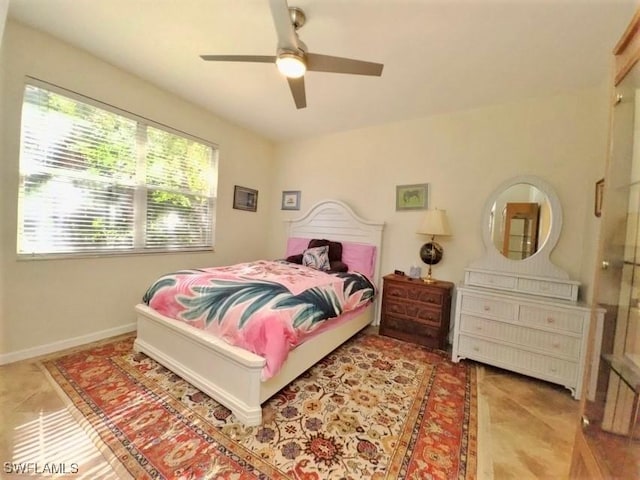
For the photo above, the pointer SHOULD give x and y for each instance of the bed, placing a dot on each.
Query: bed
(234, 376)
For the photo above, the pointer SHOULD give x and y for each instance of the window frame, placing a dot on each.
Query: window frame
(139, 203)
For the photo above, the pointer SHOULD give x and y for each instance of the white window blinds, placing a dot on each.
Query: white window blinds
(96, 180)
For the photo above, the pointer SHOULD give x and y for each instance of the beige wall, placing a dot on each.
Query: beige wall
(47, 301)
(462, 156)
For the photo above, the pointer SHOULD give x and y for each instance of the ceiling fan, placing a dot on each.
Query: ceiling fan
(293, 59)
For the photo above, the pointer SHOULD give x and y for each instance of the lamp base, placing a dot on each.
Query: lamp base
(429, 278)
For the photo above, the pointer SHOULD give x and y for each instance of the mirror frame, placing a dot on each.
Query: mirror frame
(537, 264)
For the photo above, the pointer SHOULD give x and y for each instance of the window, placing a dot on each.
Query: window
(96, 180)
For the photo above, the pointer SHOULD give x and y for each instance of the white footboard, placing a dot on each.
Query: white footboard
(229, 374)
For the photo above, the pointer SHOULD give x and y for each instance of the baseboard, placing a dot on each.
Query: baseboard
(64, 344)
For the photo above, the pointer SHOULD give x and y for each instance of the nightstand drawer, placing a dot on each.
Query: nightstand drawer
(410, 292)
(413, 310)
(410, 330)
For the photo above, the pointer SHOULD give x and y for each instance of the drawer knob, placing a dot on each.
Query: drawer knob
(476, 349)
(551, 320)
(555, 345)
(553, 369)
(479, 328)
(487, 308)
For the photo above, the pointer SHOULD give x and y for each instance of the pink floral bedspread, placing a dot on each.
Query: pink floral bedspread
(266, 307)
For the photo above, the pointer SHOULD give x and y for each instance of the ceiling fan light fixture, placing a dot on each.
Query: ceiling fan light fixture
(291, 65)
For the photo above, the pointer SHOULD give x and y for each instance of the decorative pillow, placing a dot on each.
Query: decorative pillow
(336, 266)
(317, 258)
(295, 259)
(335, 248)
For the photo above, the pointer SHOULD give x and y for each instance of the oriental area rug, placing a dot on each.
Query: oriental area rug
(375, 408)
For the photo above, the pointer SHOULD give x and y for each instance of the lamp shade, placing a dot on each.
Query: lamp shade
(435, 222)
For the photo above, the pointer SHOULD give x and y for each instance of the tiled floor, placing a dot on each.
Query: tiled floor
(526, 428)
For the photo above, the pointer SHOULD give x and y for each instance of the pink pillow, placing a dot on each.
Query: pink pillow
(360, 257)
(296, 246)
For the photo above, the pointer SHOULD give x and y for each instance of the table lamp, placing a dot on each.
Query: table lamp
(434, 223)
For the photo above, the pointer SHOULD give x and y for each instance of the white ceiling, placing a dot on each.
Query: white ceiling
(438, 55)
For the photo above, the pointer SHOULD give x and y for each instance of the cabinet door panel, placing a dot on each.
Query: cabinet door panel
(611, 434)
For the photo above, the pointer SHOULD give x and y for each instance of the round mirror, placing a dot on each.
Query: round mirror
(520, 209)
(520, 221)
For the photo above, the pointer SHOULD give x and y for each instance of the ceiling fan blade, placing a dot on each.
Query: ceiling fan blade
(240, 58)
(297, 90)
(287, 37)
(327, 63)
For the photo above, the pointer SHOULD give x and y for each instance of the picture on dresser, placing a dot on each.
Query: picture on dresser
(516, 309)
(415, 272)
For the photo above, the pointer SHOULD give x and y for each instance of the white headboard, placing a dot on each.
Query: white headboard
(336, 221)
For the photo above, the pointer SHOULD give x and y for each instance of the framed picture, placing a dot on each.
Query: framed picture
(412, 197)
(290, 200)
(598, 200)
(245, 198)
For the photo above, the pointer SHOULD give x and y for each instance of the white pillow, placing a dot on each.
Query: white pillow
(317, 257)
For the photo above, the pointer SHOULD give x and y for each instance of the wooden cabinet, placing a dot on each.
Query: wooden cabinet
(415, 311)
(520, 230)
(608, 437)
(539, 337)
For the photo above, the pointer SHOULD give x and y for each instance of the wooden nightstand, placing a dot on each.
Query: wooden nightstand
(415, 311)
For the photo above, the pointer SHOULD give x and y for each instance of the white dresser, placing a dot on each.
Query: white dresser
(532, 335)
(516, 309)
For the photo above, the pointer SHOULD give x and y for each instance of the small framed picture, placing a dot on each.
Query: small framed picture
(245, 198)
(415, 271)
(412, 197)
(291, 200)
(597, 210)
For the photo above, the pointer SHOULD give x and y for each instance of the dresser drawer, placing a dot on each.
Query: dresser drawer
(546, 287)
(521, 283)
(418, 293)
(555, 344)
(414, 310)
(491, 280)
(557, 319)
(542, 366)
(486, 306)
